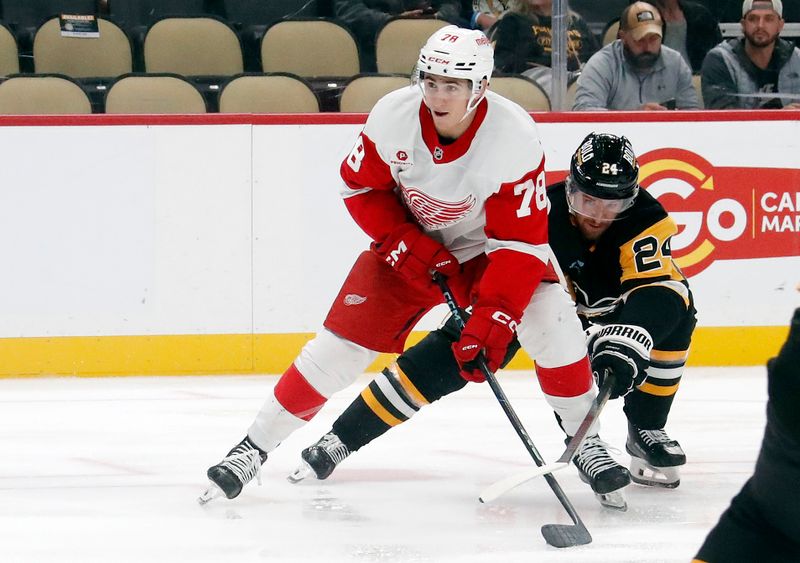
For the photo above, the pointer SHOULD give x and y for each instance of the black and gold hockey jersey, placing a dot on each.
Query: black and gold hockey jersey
(632, 254)
(628, 276)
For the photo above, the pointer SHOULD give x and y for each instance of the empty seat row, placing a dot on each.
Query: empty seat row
(26, 15)
(160, 93)
(247, 93)
(208, 46)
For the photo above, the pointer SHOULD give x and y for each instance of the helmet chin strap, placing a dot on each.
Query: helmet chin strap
(475, 99)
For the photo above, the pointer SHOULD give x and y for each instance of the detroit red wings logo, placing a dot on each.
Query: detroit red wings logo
(435, 213)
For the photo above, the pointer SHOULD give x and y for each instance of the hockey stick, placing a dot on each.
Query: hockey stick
(557, 535)
(501, 487)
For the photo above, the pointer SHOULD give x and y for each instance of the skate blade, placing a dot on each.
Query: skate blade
(212, 492)
(302, 472)
(614, 500)
(643, 473)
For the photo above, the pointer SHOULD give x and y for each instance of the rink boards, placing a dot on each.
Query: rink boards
(215, 244)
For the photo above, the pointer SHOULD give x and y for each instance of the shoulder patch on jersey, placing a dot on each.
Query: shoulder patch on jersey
(402, 157)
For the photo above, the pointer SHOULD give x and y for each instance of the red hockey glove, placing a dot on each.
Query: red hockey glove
(489, 329)
(415, 255)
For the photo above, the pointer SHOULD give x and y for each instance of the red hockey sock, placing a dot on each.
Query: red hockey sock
(297, 396)
(566, 381)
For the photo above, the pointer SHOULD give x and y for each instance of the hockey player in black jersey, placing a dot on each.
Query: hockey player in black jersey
(763, 521)
(612, 241)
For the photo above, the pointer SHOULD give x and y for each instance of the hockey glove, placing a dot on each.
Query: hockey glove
(489, 329)
(415, 255)
(623, 350)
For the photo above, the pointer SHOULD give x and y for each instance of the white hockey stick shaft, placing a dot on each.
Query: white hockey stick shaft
(501, 487)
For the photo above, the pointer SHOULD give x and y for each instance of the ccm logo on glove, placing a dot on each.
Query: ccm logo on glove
(487, 329)
(504, 319)
(394, 255)
(415, 255)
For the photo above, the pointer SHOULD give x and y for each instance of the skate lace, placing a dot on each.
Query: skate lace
(594, 456)
(244, 461)
(334, 447)
(651, 437)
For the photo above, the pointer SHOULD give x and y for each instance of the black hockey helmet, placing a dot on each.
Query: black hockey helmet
(605, 168)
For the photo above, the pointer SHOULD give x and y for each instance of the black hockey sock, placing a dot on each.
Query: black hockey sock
(646, 411)
(424, 373)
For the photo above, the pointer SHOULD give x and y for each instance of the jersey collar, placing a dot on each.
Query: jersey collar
(448, 153)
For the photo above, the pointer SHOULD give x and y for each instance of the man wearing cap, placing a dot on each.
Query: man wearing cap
(636, 72)
(759, 70)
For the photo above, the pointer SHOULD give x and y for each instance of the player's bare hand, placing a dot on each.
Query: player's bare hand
(485, 21)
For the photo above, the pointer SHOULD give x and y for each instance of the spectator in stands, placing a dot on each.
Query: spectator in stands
(729, 11)
(523, 37)
(636, 71)
(744, 72)
(366, 17)
(690, 29)
(599, 13)
(486, 12)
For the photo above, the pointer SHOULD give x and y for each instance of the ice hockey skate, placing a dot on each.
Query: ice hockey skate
(655, 457)
(603, 474)
(320, 459)
(231, 474)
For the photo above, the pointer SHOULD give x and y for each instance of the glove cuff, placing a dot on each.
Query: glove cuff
(635, 337)
(498, 315)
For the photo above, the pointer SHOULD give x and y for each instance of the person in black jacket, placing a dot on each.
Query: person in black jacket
(365, 18)
(523, 37)
(762, 522)
(690, 28)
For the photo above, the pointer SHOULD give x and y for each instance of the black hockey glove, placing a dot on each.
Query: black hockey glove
(623, 350)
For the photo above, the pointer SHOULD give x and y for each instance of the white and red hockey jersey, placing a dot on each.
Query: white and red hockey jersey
(485, 192)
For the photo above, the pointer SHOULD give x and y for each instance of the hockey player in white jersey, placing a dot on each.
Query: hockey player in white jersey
(445, 177)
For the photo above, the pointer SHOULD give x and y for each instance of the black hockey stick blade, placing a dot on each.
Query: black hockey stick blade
(557, 535)
(566, 535)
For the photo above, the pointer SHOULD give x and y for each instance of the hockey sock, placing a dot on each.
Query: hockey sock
(648, 406)
(297, 396)
(424, 373)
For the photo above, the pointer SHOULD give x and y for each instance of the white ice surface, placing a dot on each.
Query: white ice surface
(108, 470)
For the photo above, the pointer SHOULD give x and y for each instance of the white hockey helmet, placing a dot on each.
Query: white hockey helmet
(457, 52)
